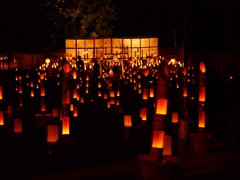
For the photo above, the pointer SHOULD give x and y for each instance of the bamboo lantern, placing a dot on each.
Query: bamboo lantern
(17, 125)
(174, 117)
(78, 85)
(145, 93)
(127, 121)
(74, 93)
(42, 75)
(42, 91)
(31, 84)
(75, 112)
(55, 112)
(118, 93)
(108, 104)
(151, 92)
(112, 94)
(167, 149)
(87, 77)
(78, 97)
(32, 93)
(202, 93)
(52, 133)
(144, 114)
(43, 107)
(99, 93)
(74, 75)
(1, 118)
(82, 99)
(20, 90)
(185, 92)
(20, 101)
(99, 85)
(202, 67)
(139, 91)
(87, 90)
(71, 107)
(112, 101)
(135, 87)
(87, 84)
(65, 125)
(117, 102)
(201, 119)
(9, 109)
(158, 139)
(162, 106)
(105, 96)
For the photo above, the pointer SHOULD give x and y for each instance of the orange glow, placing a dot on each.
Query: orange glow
(20, 101)
(112, 94)
(75, 93)
(167, 149)
(117, 102)
(185, 71)
(55, 112)
(18, 125)
(74, 75)
(145, 93)
(174, 117)
(32, 93)
(162, 106)
(201, 119)
(52, 133)
(66, 67)
(43, 107)
(151, 92)
(99, 93)
(144, 114)
(108, 104)
(105, 96)
(87, 77)
(158, 139)
(82, 100)
(65, 125)
(127, 121)
(185, 92)
(118, 93)
(202, 94)
(42, 75)
(42, 92)
(1, 118)
(87, 84)
(9, 109)
(139, 91)
(202, 67)
(87, 91)
(99, 85)
(112, 101)
(75, 112)
(71, 107)
(1, 96)
(20, 90)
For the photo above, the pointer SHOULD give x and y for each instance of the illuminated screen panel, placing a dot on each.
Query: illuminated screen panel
(116, 43)
(107, 42)
(153, 41)
(98, 43)
(145, 42)
(135, 43)
(71, 52)
(80, 43)
(70, 43)
(127, 43)
(154, 51)
(89, 43)
(81, 52)
(145, 52)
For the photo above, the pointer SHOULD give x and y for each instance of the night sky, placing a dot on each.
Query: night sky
(207, 22)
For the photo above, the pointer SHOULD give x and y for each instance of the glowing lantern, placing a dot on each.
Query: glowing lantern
(117, 102)
(74, 75)
(18, 125)
(47, 61)
(139, 91)
(99, 93)
(202, 67)
(87, 77)
(174, 117)
(71, 107)
(32, 93)
(42, 75)
(105, 96)
(9, 109)
(20, 90)
(127, 121)
(31, 84)
(75, 112)
(43, 107)
(65, 125)
(112, 94)
(108, 104)
(99, 84)
(87, 84)
(201, 119)
(52, 133)
(202, 94)
(184, 92)
(144, 114)
(87, 91)
(151, 92)
(167, 149)
(1, 96)
(66, 67)
(42, 92)
(158, 139)
(118, 93)
(74, 93)
(145, 93)
(162, 106)
(82, 99)
(1, 118)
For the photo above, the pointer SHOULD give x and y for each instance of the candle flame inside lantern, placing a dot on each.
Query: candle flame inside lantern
(161, 107)
(43, 107)
(74, 93)
(202, 67)
(127, 121)
(71, 107)
(42, 92)
(65, 125)
(18, 125)
(52, 133)
(74, 75)
(1, 118)
(32, 93)
(75, 112)
(201, 119)
(99, 84)
(99, 93)
(112, 94)
(144, 114)
(145, 93)
(151, 92)
(174, 117)
(118, 93)
(158, 139)
(202, 94)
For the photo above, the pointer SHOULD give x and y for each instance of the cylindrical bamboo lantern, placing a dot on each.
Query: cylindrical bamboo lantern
(99, 85)
(161, 107)
(174, 117)
(117, 102)
(158, 139)
(108, 104)
(99, 93)
(65, 125)
(75, 93)
(32, 93)
(20, 90)
(74, 75)
(105, 96)
(17, 125)
(9, 109)
(87, 84)
(75, 112)
(151, 92)
(144, 114)
(52, 133)
(118, 93)
(43, 107)
(185, 92)
(42, 90)
(55, 112)
(127, 121)
(145, 93)
(202, 67)
(1, 94)
(87, 90)
(82, 99)
(1, 118)
(71, 107)
(139, 91)
(202, 93)
(201, 119)
(167, 149)
(112, 94)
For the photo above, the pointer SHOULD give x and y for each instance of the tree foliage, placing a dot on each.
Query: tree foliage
(38, 25)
